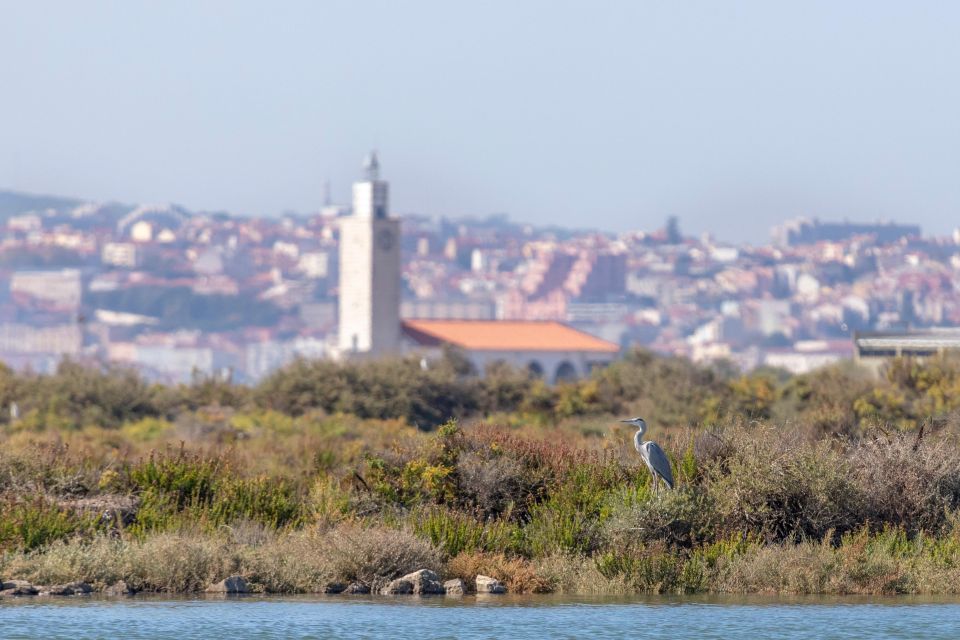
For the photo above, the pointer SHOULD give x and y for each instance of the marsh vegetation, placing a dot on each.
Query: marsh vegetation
(832, 482)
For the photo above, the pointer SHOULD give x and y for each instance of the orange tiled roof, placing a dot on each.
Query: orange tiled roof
(505, 335)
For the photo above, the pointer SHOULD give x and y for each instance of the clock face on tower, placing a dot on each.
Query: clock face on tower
(385, 239)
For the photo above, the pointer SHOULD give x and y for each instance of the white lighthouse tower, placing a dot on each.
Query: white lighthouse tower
(369, 270)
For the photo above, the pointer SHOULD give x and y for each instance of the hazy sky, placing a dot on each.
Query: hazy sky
(730, 115)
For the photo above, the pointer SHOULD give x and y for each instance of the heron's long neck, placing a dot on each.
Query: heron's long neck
(638, 437)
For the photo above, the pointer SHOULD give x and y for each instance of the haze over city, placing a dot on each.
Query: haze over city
(732, 116)
(340, 318)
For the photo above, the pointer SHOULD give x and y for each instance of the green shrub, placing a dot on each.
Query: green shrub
(568, 521)
(78, 396)
(273, 502)
(649, 569)
(685, 517)
(184, 478)
(39, 522)
(455, 532)
(147, 429)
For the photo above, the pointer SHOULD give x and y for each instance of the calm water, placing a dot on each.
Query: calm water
(491, 617)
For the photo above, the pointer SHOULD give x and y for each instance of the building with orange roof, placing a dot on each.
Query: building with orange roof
(369, 306)
(549, 349)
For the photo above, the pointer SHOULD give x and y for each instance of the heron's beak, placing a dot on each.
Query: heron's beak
(627, 421)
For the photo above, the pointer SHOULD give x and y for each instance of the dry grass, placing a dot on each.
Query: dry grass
(864, 563)
(183, 563)
(165, 562)
(578, 575)
(374, 556)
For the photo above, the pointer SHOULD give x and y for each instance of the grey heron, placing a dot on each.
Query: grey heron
(654, 457)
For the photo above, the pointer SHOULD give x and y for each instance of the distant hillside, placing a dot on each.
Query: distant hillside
(13, 203)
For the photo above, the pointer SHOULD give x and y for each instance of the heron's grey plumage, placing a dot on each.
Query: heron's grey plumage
(657, 461)
(653, 456)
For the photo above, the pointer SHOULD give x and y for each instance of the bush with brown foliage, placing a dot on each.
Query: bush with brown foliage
(907, 481)
(518, 574)
(782, 487)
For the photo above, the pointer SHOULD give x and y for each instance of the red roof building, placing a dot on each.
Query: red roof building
(549, 349)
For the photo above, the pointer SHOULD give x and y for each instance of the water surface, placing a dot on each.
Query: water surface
(516, 617)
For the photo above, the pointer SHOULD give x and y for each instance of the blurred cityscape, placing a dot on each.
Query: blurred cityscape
(178, 293)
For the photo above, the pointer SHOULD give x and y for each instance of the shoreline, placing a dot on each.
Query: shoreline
(506, 600)
(347, 560)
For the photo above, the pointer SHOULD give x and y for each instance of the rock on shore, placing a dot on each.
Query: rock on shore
(486, 584)
(233, 584)
(119, 589)
(420, 582)
(357, 588)
(17, 588)
(334, 587)
(397, 587)
(425, 582)
(455, 587)
(69, 589)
